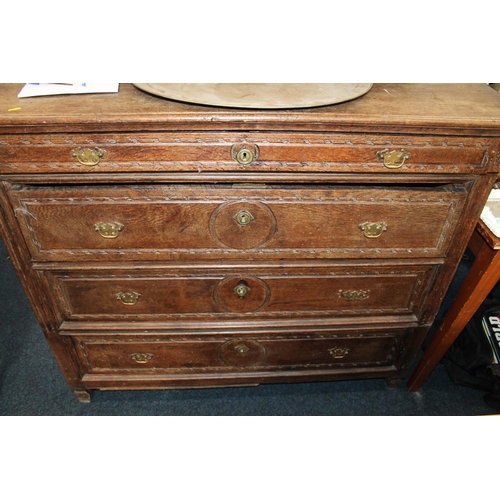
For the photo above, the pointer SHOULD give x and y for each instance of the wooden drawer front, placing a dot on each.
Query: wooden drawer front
(71, 223)
(167, 294)
(101, 354)
(217, 152)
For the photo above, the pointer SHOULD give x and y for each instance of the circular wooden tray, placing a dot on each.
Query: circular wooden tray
(258, 95)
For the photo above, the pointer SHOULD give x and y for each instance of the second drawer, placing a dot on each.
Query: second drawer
(210, 223)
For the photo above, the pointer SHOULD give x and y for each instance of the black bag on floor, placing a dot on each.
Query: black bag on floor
(473, 359)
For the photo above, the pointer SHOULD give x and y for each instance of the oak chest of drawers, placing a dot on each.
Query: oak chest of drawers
(166, 245)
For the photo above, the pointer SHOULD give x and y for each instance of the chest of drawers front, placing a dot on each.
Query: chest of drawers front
(172, 259)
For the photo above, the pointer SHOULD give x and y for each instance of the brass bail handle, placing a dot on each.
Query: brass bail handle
(354, 294)
(109, 230)
(90, 157)
(338, 352)
(142, 357)
(373, 229)
(393, 159)
(128, 298)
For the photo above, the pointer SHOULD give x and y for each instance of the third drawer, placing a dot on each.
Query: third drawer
(163, 294)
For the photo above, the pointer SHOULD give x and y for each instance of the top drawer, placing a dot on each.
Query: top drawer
(239, 152)
(171, 222)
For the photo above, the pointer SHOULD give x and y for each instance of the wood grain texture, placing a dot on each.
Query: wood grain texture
(172, 221)
(209, 294)
(211, 152)
(456, 109)
(314, 262)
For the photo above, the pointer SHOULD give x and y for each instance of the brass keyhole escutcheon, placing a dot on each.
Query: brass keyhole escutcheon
(242, 352)
(242, 349)
(393, 159)
(245, 154)
(244, 157)
(243, 218)
(373, 229)
(241, 289)
(242, 294)
(87, 156)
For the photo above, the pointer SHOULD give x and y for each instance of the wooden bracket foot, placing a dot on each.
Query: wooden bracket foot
(82, 396)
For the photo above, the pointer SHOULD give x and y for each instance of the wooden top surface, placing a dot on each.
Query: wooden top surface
(491, 239)
(458, 109)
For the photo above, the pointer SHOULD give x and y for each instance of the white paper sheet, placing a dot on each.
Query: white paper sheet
(41, 89)
(491, 212)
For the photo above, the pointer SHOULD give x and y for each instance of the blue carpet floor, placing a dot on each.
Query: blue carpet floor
(31, 384)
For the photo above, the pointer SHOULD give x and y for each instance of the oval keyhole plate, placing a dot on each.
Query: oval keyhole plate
(245, 154)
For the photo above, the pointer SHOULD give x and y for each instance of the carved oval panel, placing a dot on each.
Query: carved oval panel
(242, 294)
(242, 224)
(242, 352)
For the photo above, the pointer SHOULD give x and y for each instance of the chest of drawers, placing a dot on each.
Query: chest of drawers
(166, 245)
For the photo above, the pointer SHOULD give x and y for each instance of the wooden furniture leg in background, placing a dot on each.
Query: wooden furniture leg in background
(482, 277)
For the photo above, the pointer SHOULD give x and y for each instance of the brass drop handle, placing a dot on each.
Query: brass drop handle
(142, 357)
(128, 298)
(90, 157)
(373, 229)
(338, 352)
(243, 218)
(109, 230)
(245, 154)
(393, 159)
(354, 294)
(241, 289)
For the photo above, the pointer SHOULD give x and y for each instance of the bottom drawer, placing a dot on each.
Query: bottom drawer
(146, 354)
